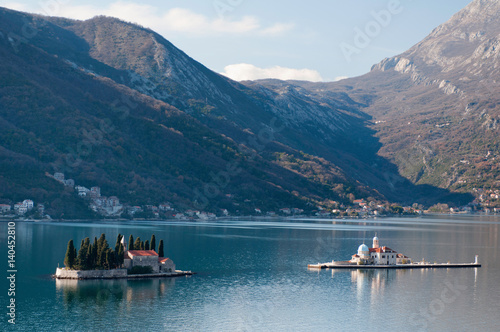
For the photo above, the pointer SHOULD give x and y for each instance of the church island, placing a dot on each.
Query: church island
(382, 257)
(97, 260)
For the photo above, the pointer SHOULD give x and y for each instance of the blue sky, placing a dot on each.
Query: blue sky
(249, 39)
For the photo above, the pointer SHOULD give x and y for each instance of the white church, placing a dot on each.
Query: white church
(378, 255)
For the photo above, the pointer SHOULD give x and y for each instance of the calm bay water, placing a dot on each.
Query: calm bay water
(253, 276)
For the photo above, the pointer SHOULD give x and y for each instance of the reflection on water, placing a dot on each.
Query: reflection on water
(371, 282)
(103, 292)
(252, 275)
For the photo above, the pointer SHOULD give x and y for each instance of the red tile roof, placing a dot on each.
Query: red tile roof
(163, 260)
(142, 253)
(381, 250)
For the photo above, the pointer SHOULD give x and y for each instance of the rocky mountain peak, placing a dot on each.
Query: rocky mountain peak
(458, 52)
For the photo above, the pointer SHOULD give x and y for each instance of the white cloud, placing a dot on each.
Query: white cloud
(244, 71)
(174, 19)
(277, 29)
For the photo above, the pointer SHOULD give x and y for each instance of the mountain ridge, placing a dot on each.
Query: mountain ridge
(319, 146)
(435, 106)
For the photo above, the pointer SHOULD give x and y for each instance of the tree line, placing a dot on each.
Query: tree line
(99, 256)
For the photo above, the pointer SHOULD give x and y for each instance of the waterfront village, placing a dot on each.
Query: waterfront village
(486, 201)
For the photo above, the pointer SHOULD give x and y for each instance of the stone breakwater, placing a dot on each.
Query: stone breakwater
(62, 273)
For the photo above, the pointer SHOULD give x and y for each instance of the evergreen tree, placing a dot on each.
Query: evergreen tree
(137, 244)
(118, 251)
(94, 253)
(160, 249)
(120, 256)
(81, 261)
(118, 242)
(69, 258)
(100, 243)
(146, 245)
(130, 242)
(90, 262)
(152, 244)
(109, 261)
(102, 248)
(142, 245)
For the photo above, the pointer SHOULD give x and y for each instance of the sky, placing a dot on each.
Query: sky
(315, 40)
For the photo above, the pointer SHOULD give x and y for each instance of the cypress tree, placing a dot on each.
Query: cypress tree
(94, 253)
(160, 249)
(100, 243)
(152, 244)
(89, 263)
(142, 245)
(69, 258)
(120, 256)
(118, 242)
(109, 261)
(130, 242)
(102, 248)
(137, 244)
(81, 261)
(146, 245)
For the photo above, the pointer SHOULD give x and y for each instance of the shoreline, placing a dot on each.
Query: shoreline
(393, 267)
(409, 216)
(63, 274)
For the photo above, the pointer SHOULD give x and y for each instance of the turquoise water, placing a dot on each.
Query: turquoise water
(253, 276)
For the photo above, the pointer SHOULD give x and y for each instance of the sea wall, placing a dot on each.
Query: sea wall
(62, 273)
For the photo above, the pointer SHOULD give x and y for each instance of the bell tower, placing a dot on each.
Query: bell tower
(375, 242)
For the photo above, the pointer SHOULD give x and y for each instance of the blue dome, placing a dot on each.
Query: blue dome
(363, 248)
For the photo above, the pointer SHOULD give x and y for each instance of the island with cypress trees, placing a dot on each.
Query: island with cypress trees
(96, 260)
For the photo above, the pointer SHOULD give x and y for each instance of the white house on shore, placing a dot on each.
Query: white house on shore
(5, 208)
(378, 255)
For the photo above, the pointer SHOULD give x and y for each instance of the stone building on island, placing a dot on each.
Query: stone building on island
(142, 258)
(147, 258)
(378, 255)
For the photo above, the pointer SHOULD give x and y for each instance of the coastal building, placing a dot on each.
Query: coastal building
(147, 258)
(166, 265)
(29, 204)
(134, 209)
(95, 192)
(82, 191)
(5, 208)
(165, 207)
(286, 211)
(378, 255)
(19, 208)
(69, 183)
(24, 206)
(142, 258)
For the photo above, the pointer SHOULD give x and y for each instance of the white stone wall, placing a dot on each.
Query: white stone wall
(167, 267)
(62, 273)
(146, 261)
